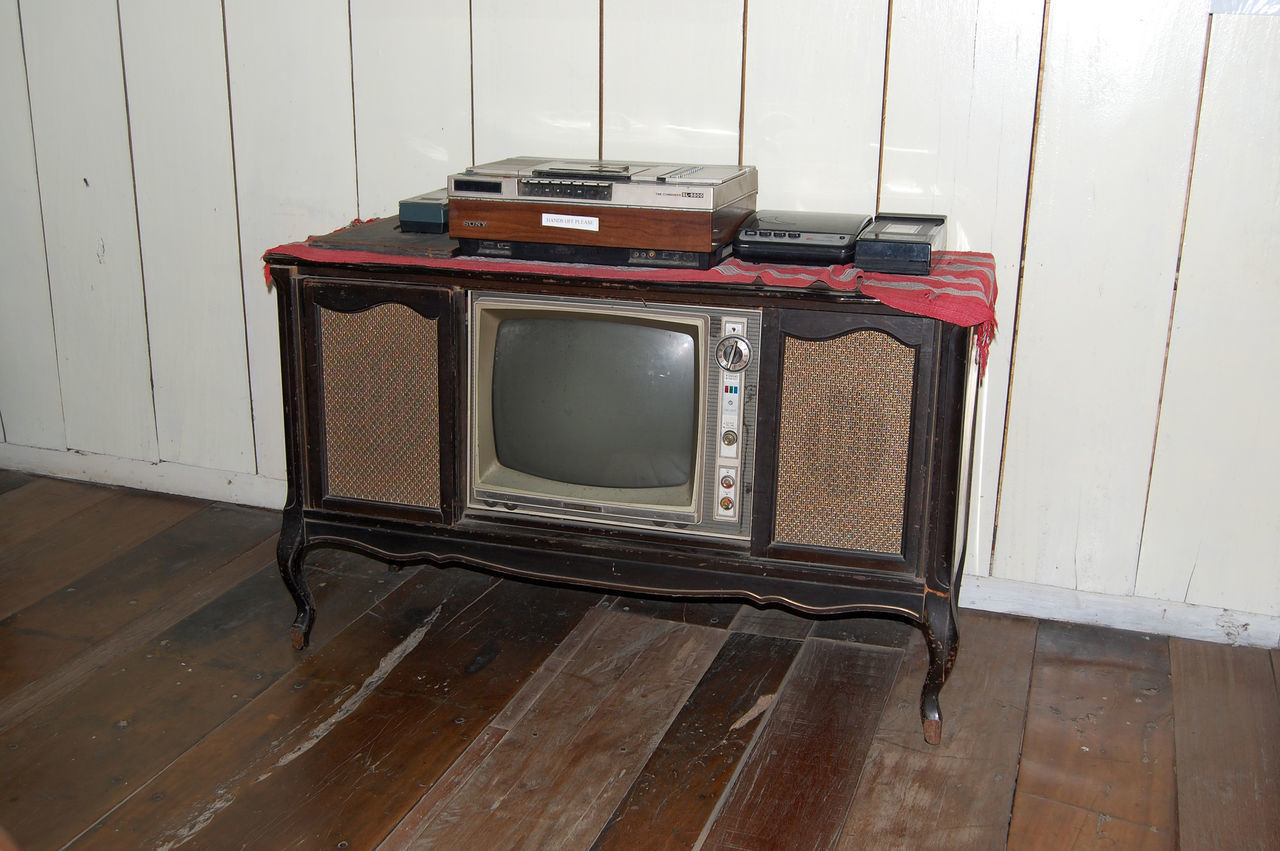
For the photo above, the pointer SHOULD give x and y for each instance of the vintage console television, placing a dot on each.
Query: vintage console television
(782, 447)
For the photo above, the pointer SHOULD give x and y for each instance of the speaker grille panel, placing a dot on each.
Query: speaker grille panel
(381, 411)
(844, 436)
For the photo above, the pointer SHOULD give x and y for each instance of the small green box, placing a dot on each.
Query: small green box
(426, 213)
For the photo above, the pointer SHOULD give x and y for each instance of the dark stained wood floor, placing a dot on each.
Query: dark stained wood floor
(149, 698)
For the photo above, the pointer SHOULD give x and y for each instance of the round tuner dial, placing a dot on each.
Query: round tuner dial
(733, 353)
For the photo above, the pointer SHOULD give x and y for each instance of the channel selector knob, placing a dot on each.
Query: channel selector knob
(733, 353)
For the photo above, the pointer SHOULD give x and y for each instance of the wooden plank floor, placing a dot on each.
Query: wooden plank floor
(149, 698)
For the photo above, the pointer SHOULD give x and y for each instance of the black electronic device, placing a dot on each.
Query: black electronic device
(802, 237)
(901, 243)
(599, 255)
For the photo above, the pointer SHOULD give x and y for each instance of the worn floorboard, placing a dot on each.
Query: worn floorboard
(29, 506)
(57, 680)
(557, 775)
(677, 791)
(963, 788)
(1099, 732)
(719, 614)
(75, 619)
(57, 556)
(1228, 740)
(85, 752)
(796, 784)
(150, 698)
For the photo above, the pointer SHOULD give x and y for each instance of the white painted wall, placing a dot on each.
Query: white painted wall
(152, 151)
(1117, 123)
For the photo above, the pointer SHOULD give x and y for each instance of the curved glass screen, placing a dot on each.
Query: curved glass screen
(595, 402)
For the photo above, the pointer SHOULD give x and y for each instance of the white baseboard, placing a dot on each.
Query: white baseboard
(1139, 614)
(165, 476)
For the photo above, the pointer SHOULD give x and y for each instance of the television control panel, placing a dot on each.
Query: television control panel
(733, 355)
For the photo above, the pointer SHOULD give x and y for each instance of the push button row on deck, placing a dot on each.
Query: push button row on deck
(780, 234)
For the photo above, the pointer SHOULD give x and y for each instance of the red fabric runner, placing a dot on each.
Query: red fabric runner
(961, 288)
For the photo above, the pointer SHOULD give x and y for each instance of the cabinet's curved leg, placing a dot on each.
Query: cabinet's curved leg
(289, 558)
(942, 639)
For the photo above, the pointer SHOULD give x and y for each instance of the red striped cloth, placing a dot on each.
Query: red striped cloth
(961, 288)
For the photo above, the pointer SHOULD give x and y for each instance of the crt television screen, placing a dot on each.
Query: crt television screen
(595, 402)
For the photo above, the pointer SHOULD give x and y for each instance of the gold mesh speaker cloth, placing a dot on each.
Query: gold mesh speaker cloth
(844, 435)
(381, 406)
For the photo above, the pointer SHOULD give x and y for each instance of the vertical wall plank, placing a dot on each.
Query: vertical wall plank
(180, 127)
(811, 117)
(672, 80)
(537, 79)
(30, 402)
(959, 109)
(1217, 460)
(1118, 107)
(290, 78)
(86, 186)
(411, 69)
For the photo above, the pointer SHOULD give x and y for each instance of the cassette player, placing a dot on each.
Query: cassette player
(805, 238)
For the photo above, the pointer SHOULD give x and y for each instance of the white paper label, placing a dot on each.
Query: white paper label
(557, 220)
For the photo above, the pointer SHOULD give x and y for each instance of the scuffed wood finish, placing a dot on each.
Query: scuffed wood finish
(282, 723)
(795, 786)
(61, 626)
(428, 683)
(867, 629)
(1228, 740)
(679, 787)
(442, 792)
(430, 695)
(190, 598)
(1046, 823)
(92, 748)
(682, 611)
(779, 623)
(557, 775)
(959, 796)
(61, 554)
(1099, 731)
(29, 507)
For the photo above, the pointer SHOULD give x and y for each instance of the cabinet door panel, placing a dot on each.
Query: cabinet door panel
(380, 400)
(850, 425)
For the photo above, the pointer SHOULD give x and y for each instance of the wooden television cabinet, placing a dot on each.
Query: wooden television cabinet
(857, 452)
